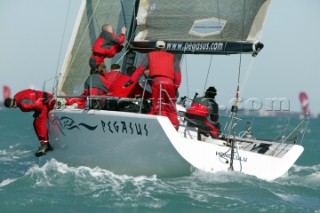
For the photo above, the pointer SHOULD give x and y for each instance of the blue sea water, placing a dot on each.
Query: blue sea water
(57, 187)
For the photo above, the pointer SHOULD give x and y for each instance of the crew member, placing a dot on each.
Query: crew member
(95, 85)
(205, 111)
(117, 80)
(165, 70)
(106, 45)
(112, 75)
(41, 103)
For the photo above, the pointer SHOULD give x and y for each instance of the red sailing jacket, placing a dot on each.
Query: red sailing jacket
(160, 63)
(111, 76)
(198, 110)
(107, 44)
(117, 90)
(202, 107)
(32, 100)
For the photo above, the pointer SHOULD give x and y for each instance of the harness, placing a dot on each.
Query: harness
(45, 98)
(97, 54)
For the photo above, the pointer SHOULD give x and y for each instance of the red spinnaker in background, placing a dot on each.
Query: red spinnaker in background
(304, 100)
(6, 92)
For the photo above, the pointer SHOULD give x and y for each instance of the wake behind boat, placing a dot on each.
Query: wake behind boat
(134, 143)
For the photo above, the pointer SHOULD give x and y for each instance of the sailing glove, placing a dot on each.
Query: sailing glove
(128, 83)
(36, 114)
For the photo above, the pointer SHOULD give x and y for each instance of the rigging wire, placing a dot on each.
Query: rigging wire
(60, 47)
(187, 77)
(240, 55)
(235, 108)
(247, 75)
(132, 27)
(205, 84)
(123, 55)
(63, 34)
(83, 35)
(96, 22)
(123, 13)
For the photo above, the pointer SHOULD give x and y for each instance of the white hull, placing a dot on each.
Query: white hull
(138, 144)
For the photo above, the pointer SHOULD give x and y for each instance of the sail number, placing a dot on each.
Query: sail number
(228, 155)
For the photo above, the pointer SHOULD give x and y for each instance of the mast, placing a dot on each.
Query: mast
(130, 56)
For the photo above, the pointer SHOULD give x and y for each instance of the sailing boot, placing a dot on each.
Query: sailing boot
(43, 149)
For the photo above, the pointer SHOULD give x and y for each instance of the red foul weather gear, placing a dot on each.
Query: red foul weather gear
(117, 90)
(95, 85)
(203, 108)
(161, 63)
(105, 46)
(39, 102)
(111, 76)
(81, 102)
(164, 69)
(164, 101)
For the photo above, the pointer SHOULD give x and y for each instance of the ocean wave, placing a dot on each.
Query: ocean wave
(7, 182)
(13, 154)
(305, 176)
(122, 190)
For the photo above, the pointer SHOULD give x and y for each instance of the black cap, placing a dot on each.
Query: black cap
(211, 92)
(212, 89)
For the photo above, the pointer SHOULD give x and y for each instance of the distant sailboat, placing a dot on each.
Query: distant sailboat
(304, 100)
(6, 94)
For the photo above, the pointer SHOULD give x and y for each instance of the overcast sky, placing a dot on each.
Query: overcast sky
(32, 36)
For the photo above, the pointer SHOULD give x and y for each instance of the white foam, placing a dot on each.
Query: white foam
(287, 197)
(92, 178)
(7, 182)
(3, 152)
(297, 168)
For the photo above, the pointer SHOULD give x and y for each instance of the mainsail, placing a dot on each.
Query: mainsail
(201, 26)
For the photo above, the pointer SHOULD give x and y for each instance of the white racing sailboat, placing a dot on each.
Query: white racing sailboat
(134, 143)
